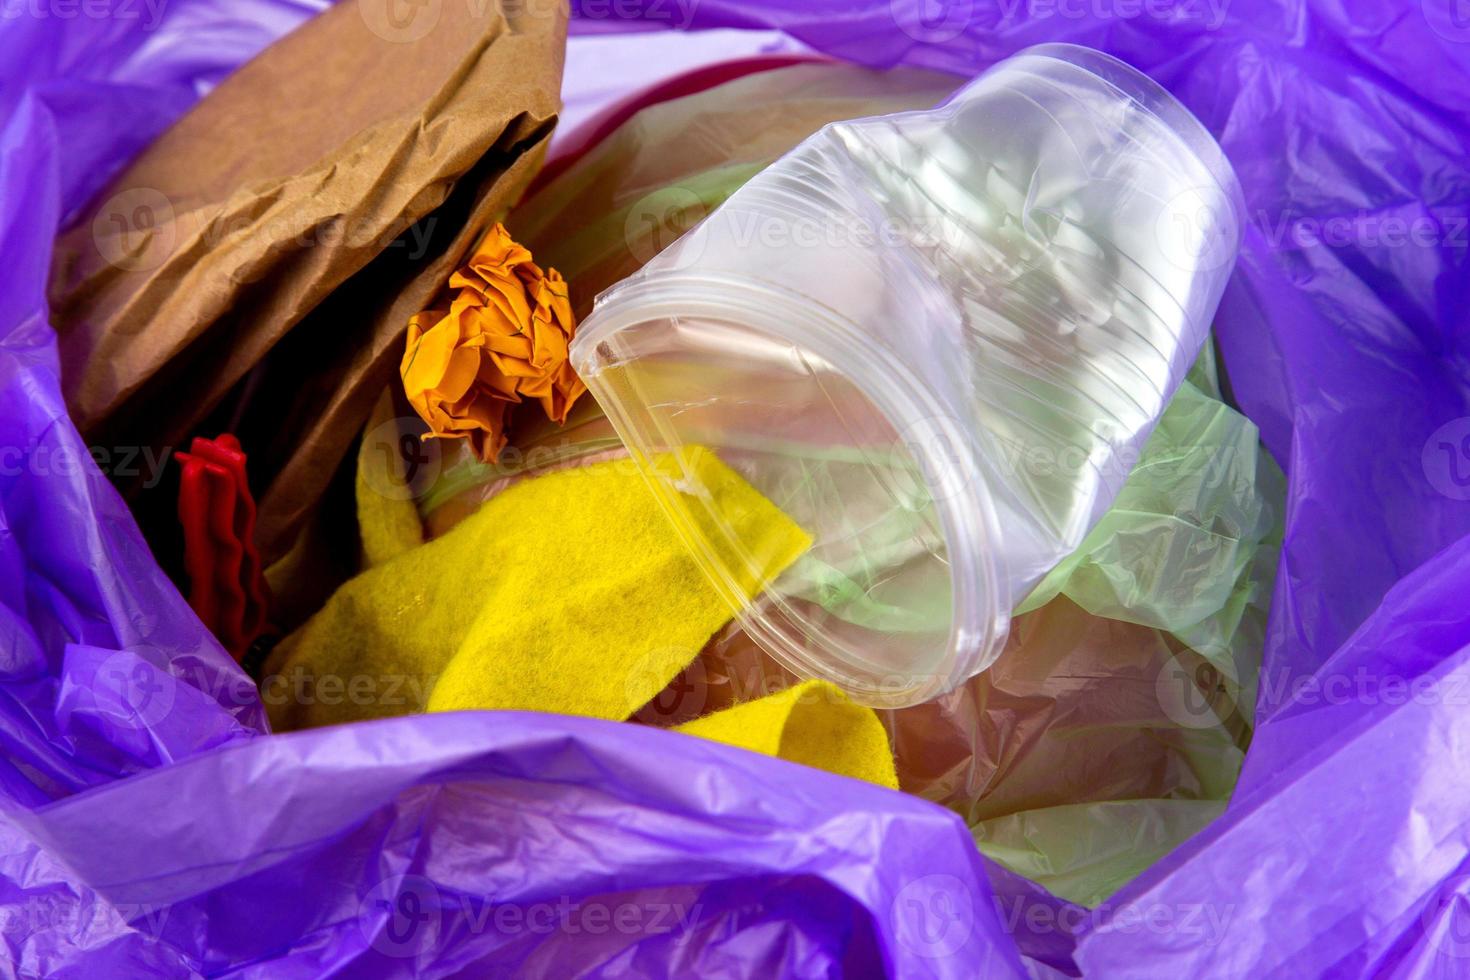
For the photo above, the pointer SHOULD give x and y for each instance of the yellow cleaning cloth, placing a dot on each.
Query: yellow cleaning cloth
(813, 723)
(567, 593)
(387, 517)
(629, 608)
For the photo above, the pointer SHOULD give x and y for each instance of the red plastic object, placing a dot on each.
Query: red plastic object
(227, 586)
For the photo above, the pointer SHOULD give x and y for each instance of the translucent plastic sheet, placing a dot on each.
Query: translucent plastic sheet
(1344, 851)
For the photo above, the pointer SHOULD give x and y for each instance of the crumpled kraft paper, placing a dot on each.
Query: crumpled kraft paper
(306, 208)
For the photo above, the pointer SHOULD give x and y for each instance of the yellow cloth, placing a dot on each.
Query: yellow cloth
(812, 723)
(630, 608)
(387, 517)
(567, 593)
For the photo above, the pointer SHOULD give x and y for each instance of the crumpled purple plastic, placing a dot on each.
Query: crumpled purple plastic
(150, 827)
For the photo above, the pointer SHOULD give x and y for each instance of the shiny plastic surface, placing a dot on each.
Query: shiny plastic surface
(938, 340)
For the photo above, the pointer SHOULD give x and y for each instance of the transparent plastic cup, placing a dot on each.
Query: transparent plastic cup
(938, 341)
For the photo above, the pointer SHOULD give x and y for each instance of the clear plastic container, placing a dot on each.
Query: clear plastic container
(938, 340)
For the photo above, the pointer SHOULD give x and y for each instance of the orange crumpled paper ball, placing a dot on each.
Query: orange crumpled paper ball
(503, 339)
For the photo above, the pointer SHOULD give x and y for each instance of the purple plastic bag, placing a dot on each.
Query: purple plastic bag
(149, 826)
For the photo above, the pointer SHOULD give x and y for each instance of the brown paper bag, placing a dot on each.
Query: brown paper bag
(321, 195)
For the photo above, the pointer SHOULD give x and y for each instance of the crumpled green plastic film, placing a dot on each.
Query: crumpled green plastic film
(1190, 544)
